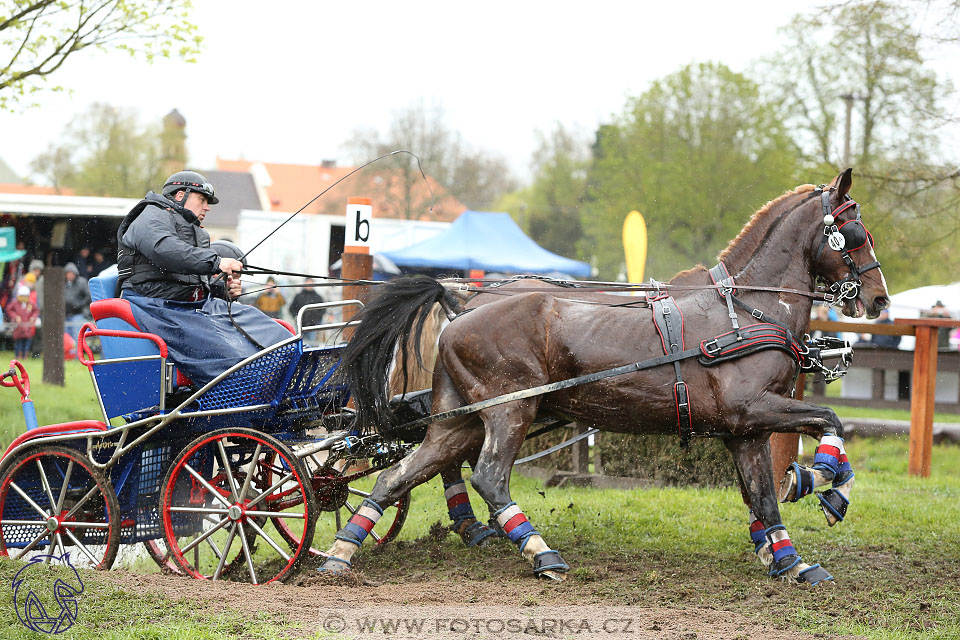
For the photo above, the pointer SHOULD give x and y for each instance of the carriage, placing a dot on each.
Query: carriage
(230, 480)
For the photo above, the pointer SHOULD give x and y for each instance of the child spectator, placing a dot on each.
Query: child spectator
(23, 314)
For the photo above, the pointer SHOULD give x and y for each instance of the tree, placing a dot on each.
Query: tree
(868, 56)
(549, 209)
(40, 35)
(476, 178)
(696, 154)
(105, 151)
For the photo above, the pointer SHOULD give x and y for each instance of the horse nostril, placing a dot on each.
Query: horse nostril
(880, 303)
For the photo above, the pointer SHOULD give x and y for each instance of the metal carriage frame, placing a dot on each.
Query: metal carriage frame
(238, 454)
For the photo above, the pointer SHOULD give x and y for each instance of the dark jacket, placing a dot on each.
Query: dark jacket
(163, 252)
(76, 296)
(305, 297)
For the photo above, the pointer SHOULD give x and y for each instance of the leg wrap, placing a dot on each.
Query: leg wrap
(804, 479)
(362, 522)
(833, 502)
(784, 555)
(515, 524)
(458, 502)
(828, 456)
(757, 533)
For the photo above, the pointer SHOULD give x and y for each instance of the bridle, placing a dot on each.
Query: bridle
(846, 237)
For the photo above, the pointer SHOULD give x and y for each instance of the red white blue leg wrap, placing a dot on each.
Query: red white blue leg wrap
(757, 533)
(515, 524)
(458, 502)
(361, 523)
(785, 557)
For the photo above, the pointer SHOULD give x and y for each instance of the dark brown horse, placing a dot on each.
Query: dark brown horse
(537, 338)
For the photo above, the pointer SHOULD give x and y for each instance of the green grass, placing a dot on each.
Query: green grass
(894, 557)
(73, 401)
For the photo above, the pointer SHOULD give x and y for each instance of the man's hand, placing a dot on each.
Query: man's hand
(234, 287)
(229, 266)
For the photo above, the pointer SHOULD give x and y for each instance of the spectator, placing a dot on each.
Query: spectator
(76, 300)
(84, 263)
(938, 310)
(23, 314)
(890, 342)
(99, 263)
(270, 302)
(36, 268)
(307, 295)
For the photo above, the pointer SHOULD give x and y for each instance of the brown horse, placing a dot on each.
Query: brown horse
(537, 338)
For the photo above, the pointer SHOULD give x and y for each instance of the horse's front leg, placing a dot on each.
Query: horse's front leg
(831, 466)
(751, 454)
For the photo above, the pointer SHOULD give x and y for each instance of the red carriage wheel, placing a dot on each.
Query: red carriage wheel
(217, 504)
(54, 501)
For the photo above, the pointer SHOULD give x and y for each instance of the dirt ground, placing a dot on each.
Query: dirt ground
(359, 607)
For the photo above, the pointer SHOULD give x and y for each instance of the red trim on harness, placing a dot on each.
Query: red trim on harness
(113, 308)
(80, 426)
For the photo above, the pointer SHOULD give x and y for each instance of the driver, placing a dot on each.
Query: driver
(167, 271)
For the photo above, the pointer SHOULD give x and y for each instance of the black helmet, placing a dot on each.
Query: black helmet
(189, 181)
(227, 249)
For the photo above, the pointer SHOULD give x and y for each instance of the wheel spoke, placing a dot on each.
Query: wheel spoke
(29, 500)
(357, 492)
(269, 540)
(94, 489)
(339, 522)
(207, 485)
(63, 551)
(373, 534)
(87, 525)
(275, 514)
(246, 553)
(203, 536)
(276, 485)
(81, 546)
(226, 467)
(33, 544)
(23, 523)
(46, 485)
(63, 487)
(219, 512)
(223, 556)
(246, 481)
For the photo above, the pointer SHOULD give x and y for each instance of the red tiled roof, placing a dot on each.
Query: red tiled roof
(294, 185)
(30, 189)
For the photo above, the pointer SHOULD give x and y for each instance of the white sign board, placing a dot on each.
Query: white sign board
(357, 230)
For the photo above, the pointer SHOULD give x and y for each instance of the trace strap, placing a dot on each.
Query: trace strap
(668, 319)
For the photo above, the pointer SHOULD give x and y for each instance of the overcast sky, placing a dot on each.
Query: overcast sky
(290, 80)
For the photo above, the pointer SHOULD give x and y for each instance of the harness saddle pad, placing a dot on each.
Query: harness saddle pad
(669, 323)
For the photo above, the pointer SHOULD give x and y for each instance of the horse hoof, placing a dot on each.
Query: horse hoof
(797, 483)
(335, 566)
(788, 487)
(477, 535)
(814, 575)
(549, 564)
(834, 506)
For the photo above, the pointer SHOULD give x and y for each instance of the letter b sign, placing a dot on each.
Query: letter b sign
(357, 230)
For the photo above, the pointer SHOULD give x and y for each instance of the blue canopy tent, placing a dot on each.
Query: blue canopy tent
(491, 242)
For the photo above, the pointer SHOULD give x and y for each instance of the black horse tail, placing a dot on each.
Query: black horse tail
(399, 307)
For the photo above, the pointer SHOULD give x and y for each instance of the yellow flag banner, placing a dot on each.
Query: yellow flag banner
(635, 245)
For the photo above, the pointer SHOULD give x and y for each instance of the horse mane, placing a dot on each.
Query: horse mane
(760, 217)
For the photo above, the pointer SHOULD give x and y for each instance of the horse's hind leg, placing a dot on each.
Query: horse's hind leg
(465, 524)
(444, 444)
(505, 428)
(772, 543)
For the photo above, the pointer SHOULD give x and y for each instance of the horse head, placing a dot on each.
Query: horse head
(843, 255)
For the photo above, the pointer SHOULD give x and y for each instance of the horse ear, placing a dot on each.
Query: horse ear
(843, 182)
